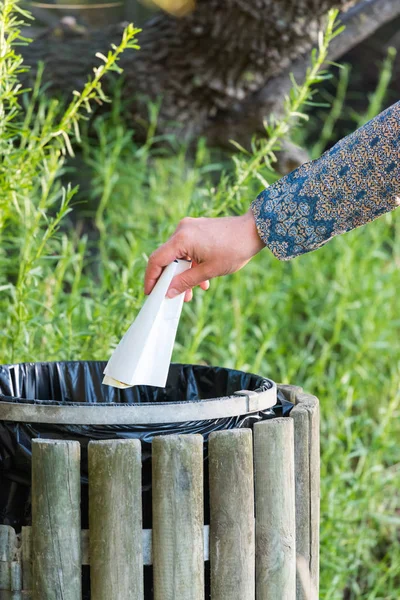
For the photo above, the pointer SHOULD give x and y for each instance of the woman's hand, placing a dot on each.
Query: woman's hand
(215, 246)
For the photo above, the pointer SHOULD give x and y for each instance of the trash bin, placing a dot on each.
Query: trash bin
(67, 401)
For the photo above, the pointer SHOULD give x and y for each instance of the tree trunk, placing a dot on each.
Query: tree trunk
(217, 72)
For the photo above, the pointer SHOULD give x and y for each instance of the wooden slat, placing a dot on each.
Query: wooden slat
(289, 391)
(115, 520)
(232, 539)
(16, 576)
(8, 539)
(275, 510)
(315, 486)
(56, 529)
(7, 549)
(26, 537)
(178, 553)
(5, 576)
(305, 416)
(302, 483)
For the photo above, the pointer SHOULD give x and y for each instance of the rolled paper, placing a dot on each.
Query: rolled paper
(143, 356)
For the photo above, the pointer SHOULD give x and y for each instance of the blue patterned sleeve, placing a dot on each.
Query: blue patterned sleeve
(355, 182)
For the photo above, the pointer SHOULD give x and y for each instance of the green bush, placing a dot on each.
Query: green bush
(39, 267)
(71, 283)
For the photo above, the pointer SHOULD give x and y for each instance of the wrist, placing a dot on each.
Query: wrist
(251, 233)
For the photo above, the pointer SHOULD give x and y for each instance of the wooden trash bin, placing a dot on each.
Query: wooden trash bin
(262, 541)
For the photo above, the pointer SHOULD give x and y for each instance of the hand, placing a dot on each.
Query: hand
(215, 246)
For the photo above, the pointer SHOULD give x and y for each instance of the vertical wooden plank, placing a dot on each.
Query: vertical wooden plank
(302, 485)
(5, 575)
(26, 536)
(8, 540)
(305, 416)
(56, 527)
(232, 537)
(7, 549)
(315, 491)
(115, 520)
(16, 576)
(275, 510)
(178, 551)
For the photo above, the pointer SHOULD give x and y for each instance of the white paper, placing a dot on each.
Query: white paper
(143, 356)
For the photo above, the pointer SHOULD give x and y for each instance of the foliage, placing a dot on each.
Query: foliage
(329, 321)
(325, 124)
(33, 144)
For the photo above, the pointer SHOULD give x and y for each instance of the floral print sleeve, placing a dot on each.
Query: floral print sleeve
(353, 183)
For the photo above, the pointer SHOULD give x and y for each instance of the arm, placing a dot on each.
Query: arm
(353, 183)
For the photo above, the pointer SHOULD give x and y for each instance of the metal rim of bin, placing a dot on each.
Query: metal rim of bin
(241, 402)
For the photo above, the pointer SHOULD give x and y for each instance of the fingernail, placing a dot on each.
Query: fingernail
(172, 293)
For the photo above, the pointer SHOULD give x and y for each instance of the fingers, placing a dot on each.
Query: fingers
(205, 285)
(188, 279)
(188, 295)
(162, 257)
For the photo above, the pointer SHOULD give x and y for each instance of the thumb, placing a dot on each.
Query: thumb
(187, 280)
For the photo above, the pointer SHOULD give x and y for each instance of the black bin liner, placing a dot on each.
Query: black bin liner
(63, 383)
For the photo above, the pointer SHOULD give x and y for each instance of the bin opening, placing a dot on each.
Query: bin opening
(81, 382)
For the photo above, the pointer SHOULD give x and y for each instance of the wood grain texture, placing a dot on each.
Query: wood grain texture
(56, 527)
(26, 538)
(232, 529)
(16, 576)
(289, 391)
(178, 551)
(8, 541)
(115, 520)
(275, 510)
(305, 416)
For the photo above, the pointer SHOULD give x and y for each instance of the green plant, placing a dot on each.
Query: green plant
(33, 146)
(377, 99)
(336, 111)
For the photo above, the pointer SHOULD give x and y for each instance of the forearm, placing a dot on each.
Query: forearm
(352, 184)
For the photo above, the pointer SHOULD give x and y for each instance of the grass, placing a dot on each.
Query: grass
(71, 283)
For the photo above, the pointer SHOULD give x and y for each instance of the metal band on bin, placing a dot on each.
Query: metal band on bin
(241, 403)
